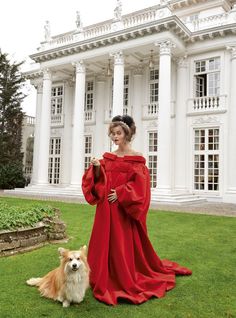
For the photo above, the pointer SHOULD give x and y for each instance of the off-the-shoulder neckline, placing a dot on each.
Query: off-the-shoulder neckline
(113, 156)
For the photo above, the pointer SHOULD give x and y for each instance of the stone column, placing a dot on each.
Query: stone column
(181, 126)
(231, 177)
(69, 87)
(39, 87)
(137, 107)
(44, 130)
(77, 159)
(118, 85)
(164, 159)
(99, 143)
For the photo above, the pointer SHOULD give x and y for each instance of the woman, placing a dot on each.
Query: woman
(122, 260)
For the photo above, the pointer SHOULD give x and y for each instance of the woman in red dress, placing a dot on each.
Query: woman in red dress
(123, 262)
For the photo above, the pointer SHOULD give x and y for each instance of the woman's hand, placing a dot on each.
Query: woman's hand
(112, 197)
(95, 162)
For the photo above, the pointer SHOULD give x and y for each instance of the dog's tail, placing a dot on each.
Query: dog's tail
(34, 281)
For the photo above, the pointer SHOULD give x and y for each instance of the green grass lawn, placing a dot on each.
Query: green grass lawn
(206, 244)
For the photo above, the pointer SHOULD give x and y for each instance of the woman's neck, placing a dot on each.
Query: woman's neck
(124, 149)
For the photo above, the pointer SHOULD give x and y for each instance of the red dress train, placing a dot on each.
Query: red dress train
(121, 257)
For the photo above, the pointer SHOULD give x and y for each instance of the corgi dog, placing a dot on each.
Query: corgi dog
(68, 282)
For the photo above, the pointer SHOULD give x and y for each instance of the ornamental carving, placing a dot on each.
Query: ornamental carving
(182, 61)
(138, 69)
(165, 46)
(207, 120)
(232, 49)
(47, 74)
(152, 125)
(118, 57)
(39, 87)
(79, 66)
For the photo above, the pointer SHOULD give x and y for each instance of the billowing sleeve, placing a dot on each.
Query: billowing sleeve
(94, 191)
(134, 196)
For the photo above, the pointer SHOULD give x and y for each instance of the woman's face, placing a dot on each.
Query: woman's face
(118, 136)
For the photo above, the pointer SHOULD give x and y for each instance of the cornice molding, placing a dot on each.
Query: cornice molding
(171, 23)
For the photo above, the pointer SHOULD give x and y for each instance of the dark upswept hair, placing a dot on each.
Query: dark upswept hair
(126, 122)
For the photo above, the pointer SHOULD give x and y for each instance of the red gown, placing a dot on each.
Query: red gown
(121, 257)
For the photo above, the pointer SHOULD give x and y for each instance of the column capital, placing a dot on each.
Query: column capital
(118, 57)
(38, 86)
(165, 46)
(232, 49)
(70, 82)
(47, 74)
(182, 61)
(79, 66)
(138, 70)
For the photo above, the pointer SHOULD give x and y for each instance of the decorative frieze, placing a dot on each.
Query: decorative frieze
(207, 120)
(138, 70)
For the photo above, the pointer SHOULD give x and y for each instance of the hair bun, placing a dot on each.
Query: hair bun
(128, 120)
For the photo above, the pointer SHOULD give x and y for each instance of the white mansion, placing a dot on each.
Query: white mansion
(172, 67)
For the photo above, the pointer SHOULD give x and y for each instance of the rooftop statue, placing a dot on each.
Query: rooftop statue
(47, 31)
(118, 11)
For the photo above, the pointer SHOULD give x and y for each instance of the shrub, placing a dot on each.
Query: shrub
(13, 217)
(11, 176)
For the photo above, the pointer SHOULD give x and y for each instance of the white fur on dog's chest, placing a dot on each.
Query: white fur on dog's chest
(74, 288)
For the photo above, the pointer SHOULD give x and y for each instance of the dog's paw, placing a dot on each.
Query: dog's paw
(66, 303)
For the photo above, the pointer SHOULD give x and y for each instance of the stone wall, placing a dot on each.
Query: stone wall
(12, 242)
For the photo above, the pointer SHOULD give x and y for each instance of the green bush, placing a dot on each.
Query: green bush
(14, 217)
(11, 176)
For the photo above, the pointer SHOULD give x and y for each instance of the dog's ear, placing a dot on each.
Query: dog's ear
(61, 251)
(84, 249)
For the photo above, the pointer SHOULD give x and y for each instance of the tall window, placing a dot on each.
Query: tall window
(153, 85)
(88, 151)
(57, 100)
(152, 157)
(54, 161)
(207, 77)
(206, 159)
(89, 95)
(126, 95)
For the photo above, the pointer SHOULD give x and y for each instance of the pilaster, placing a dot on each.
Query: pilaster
(231, 175)
(181, 126)
(44, 129)
(39, 87)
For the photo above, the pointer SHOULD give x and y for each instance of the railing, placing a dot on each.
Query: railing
(97, 30)
(207, 104)
(150, 110)
(108, 115)
(211, 21)
(30, 120)
(136, 19)
(102, 28)
(89, 116)
(127, 110)
(57, 120)
(139, 18)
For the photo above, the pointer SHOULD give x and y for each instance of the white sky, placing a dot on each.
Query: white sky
(22, 24)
